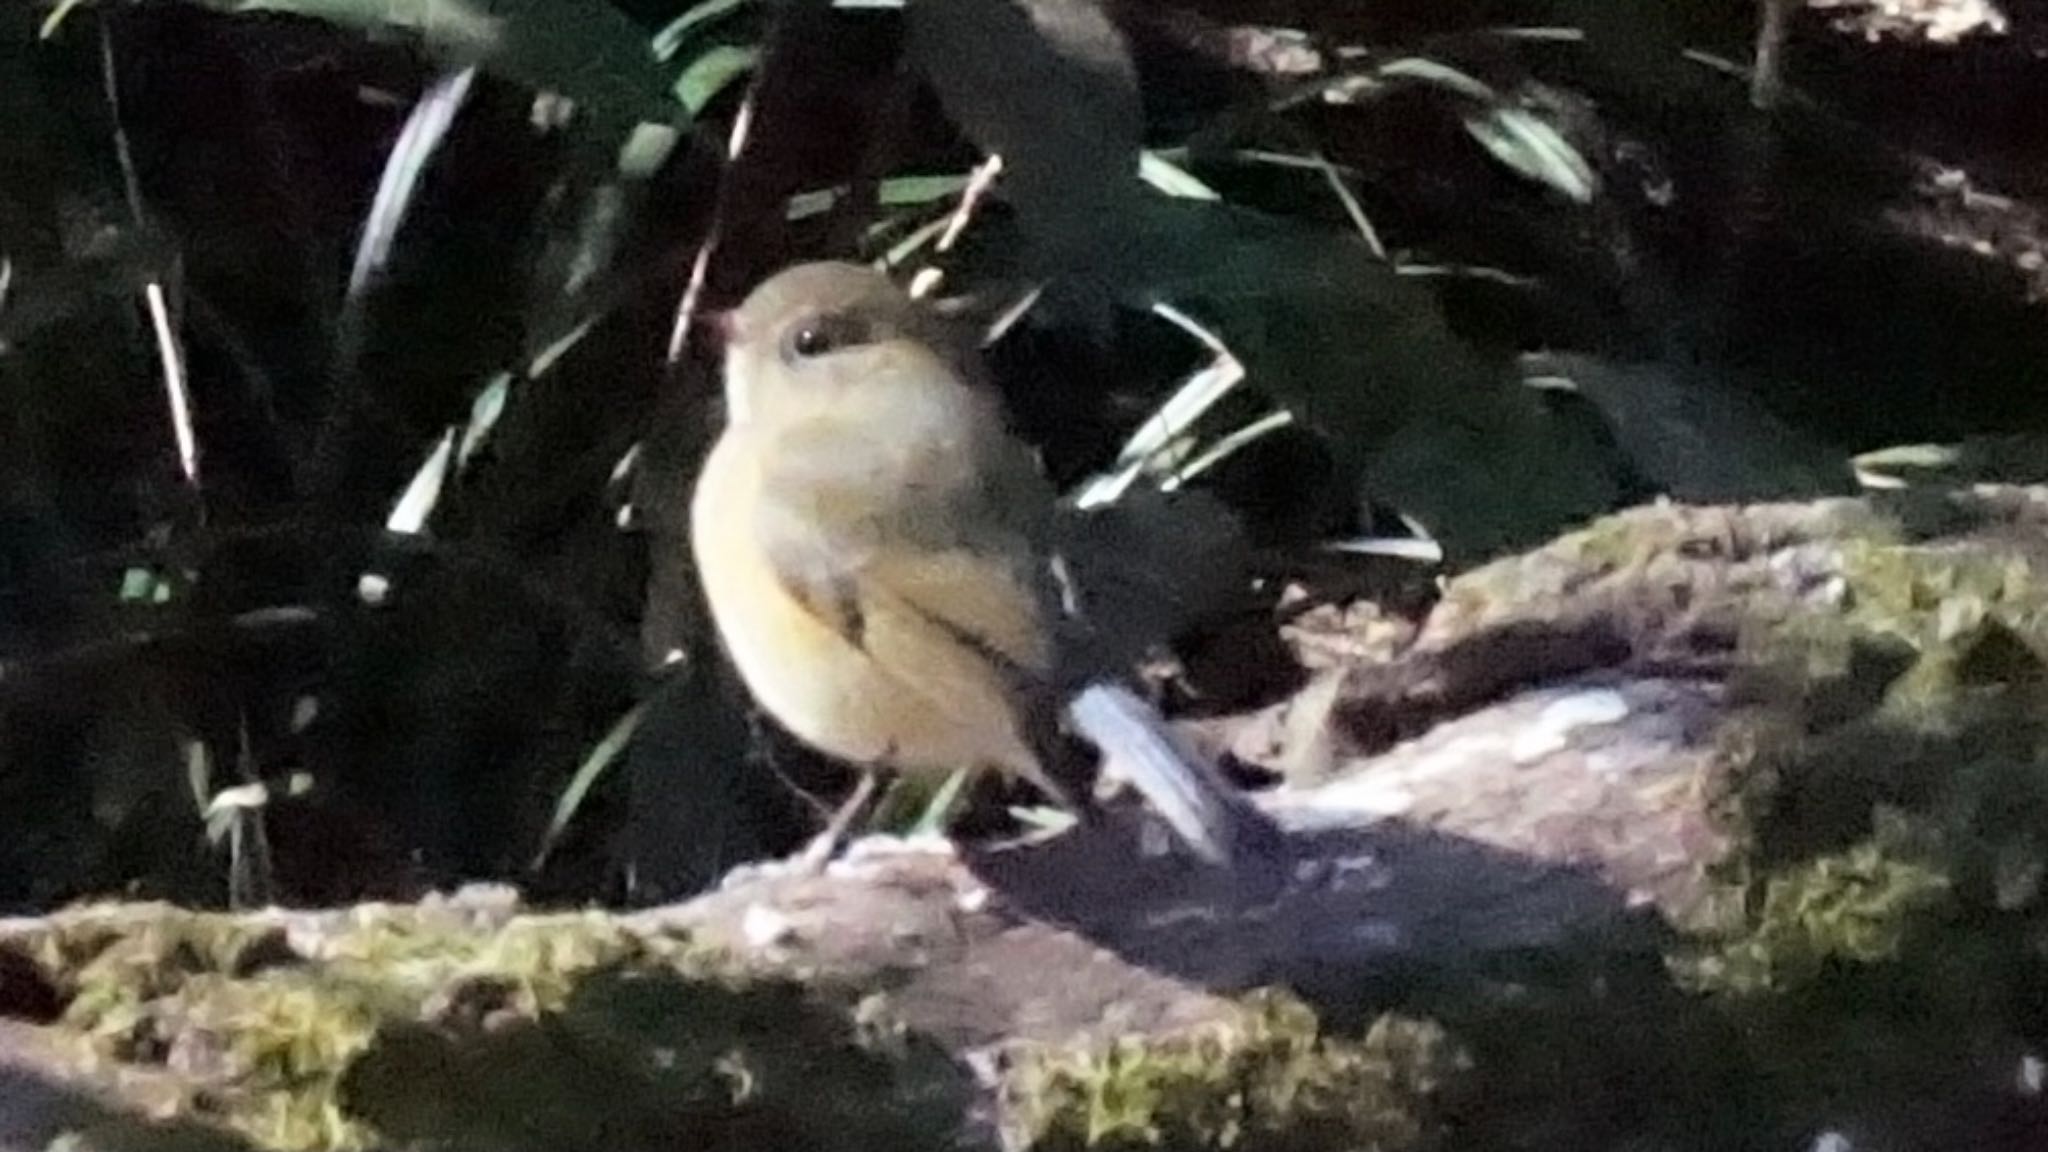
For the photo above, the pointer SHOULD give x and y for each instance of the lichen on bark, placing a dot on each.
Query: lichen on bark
(1272, 1078)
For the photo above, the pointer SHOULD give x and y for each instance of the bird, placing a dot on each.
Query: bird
(877, 551)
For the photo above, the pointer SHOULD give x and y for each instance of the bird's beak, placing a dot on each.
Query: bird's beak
(724, 326)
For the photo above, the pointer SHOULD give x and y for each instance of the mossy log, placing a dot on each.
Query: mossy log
(1688, 781)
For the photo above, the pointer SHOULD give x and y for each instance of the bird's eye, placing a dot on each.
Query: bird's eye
(810, 340)
(817, 336)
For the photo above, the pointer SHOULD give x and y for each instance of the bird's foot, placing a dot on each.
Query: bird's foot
(821, 850)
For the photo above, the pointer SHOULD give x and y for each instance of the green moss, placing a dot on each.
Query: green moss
(1947, 603)
(264, 1037)
(1883, 760)
(1853, 907)
(652, 1059)
(1894, 762)
(421, 1024)
(273, 1051)
(224, 1004)
(111, 971)
(1620, 542)
(1268, 1080)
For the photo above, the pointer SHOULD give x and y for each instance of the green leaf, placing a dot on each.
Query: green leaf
(1535, 149)
(483, 417)
(2019, 458)
(1171, 179)
(1361, 354)
(1514, 136)
(895, 192)
(712, 72)
(911, 191)
(409, 514)
(571, 800)
(137, 585)
(144, 586)
(1440, 75)
(670, 40)
(592, 53)
(1696, 438)
(938, 813)
(1502, 476)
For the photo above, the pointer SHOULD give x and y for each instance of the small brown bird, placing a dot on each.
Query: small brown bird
(873, 543)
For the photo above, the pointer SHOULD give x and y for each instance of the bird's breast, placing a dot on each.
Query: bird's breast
(903, 692)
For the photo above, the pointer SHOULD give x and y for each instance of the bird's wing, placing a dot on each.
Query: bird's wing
(981, 600)
(908, 527)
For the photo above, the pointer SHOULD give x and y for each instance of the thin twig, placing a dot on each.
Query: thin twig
(1171, 420)
(686, 308)
(123, 153)
(170, 350)
(1226, 447)
(171, 355)
(1767, 82)
(907, 247)
(1008, 317)
(977, 186)
(1352, 207)
(425, 130)
(6, 285)
(930, 276)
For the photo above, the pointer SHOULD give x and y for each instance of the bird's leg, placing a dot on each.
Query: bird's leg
(826, 845)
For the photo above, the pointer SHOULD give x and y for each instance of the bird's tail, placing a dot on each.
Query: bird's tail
(1204, 809)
